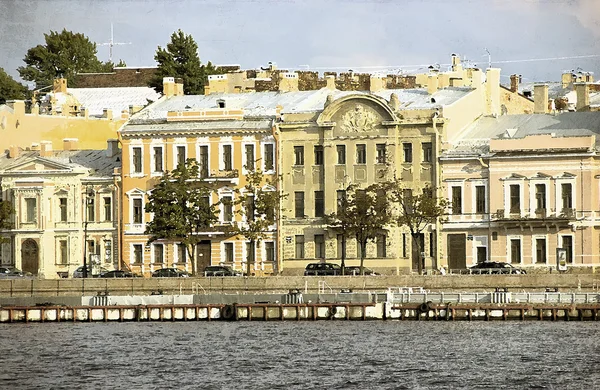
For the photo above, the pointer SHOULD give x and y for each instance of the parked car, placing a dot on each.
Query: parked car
(118, 273)
(495, 267)
(91, 272)
(221, 270)
(322, 269)
(170, 273)
(8, 272)
(355, 270)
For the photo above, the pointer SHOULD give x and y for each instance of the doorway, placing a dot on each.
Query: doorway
(203, 256)
(30, 256)
(457, 251)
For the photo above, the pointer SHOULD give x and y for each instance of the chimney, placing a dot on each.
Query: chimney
(178, 87)
(514, 83)
(432, 83)
(456, 66)
(112, 147)
(583, 96)
(59, 86)
(376, 83)
(492, 89)
(107, 113)
(45, 148)
(540, 99)
(330, 79)
(13, 151)
(169, 86)
(70, 143)
(288, 82)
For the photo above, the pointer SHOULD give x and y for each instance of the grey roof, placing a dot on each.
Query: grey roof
(100, 164)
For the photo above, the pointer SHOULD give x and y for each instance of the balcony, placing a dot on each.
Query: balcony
(223, 176)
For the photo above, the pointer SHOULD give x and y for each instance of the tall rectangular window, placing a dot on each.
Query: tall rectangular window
(480, 199)
(361, 154)
(299, 247)
(181, 155)
(269, 251)
(228, 249)
(432, 244)
(381, 153)
(341, 198)
(137, 253)
(250, 252)
(427, 152)
(249, 207)
(298, 155)
(481, 254)
(515, 198)
(381, 245)
(319, 246)
(269, 157)
(341, 154)
(567, 195)
(64, 253)
(158, 159)
(203, 161)
(91, 208)
(227, 202)
(63, 209)
(408, 200)
(341, 246)
(515, 250)
(159, 254)
(456, 200)
(540, 250)
(227, 158)
(567, 244)
(107, 208)
(299, 204)
(407, 148)
(249, 154)
(403, 244)
(181, 253)
(540, 197)
(137, 211)
(319, 160)
(319, 204)
(137, 159)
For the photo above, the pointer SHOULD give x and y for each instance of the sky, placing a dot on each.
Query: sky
(362, 35)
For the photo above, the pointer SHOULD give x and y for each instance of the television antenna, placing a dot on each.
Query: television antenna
(112, 43)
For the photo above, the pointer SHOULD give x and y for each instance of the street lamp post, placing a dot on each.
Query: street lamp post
(87, 201)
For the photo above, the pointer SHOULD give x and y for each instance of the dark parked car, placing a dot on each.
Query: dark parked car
(322, 269)
(8, 272)
(170, 273)
(495, 267)
(353, 270)
(221, 270)
(118, 273)
(91, 272)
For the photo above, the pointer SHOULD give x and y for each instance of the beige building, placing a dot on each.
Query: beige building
(63, 200)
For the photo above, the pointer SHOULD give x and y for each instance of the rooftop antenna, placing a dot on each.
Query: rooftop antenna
(489, 57)
(112, 43)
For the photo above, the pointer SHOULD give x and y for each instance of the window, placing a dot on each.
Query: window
(408, 200)
(381, 245)
(137, 159)
(91, 247)
(299, 247)
(341, 198)
(249, 207)
(515, 250)
(456, 200)
(567, 244)
(407, 148)
(319, 246)
(432, 244)
(158, 159)
(341, 154)
(341, 246)
(403, 244)
(381, 153)
(181, 253)
(427, 152)
(91, 208)
(318, 155)
(298, 155)
(319, 204)
(63, 209)
(361, 154)
(269, 251)
(107, 251)
(159, 254)
(515, 198)
(228, 252)
(137, 211)
(180, 155)
(63, 257)
(567, 195)
(269, 159)
(481, 254)
(203, 161)
(227, 202)
(540, 198)
(227, 158)
(540, 250)
(299, 204)
(137, 253)
(107, 208)
(249, 152)
(480, 199)
(250, 252)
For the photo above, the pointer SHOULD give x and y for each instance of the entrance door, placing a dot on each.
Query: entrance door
(29, 256)
(203, 256)
(457, 251)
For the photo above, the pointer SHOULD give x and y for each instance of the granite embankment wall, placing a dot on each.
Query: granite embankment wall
(142, 286)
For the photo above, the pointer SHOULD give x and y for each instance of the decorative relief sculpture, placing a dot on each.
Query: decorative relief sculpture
(358, 120)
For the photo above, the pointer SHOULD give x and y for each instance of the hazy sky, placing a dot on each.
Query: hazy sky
(333, 34)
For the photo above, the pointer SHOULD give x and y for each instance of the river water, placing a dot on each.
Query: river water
(301, 355)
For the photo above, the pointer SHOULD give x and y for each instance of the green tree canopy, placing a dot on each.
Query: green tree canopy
(10, 89)
(64, 54)
(6, 216)
(182, 209)
(180, 59)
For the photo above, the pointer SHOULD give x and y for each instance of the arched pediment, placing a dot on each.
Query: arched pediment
(357, 113)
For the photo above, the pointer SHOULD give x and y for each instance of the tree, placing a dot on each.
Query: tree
(416, 212)
(64, 54)
(6, 214)
(258, 205)
(10, 89)
(182, 209)
(180, 59)
(363, 214)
